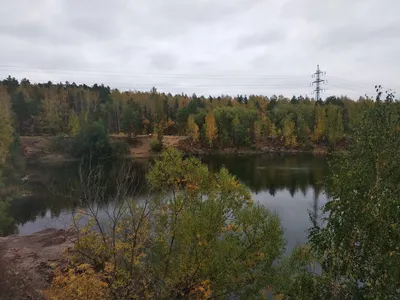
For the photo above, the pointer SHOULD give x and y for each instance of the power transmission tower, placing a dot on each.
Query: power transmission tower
(318, 82)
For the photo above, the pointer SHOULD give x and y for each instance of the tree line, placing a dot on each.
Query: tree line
(211, 122)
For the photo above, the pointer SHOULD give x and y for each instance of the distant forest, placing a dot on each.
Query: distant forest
(212, 122)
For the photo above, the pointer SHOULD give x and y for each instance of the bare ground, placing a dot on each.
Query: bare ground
(27, 262)
(41, 146)
(143, 150)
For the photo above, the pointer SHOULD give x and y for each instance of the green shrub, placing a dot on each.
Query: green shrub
(119, 148)
(156, 146)
(92, 142)
(61, 144)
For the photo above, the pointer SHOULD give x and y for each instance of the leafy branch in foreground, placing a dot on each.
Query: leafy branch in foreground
(360, 244)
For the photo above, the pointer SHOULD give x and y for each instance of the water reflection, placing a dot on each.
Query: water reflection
(288, 185)
(275, 173)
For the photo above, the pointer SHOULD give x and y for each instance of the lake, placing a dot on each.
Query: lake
(290, 185)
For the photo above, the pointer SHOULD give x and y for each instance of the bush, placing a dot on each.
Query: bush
(61, 144)
(156, 146)
(119, 148)
(200, 237)
(92, 142)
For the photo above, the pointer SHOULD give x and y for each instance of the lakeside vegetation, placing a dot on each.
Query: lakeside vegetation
(200, 236)
(252, 122)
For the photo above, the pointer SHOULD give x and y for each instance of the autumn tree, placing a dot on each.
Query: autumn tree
(6, 129)
(193, 129)
(289, 132)
(257, 131)
(49, 108)
(200, 237)
(319, 124)
(51, 116)
(74, 124)
(210, 128)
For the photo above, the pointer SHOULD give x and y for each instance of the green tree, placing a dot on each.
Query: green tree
(131, 120)
(334, 128)
(200, 237)
(92, 142)
(239, 133)
(51, 116)
(302, 129)
(360, 243)
(182, 116)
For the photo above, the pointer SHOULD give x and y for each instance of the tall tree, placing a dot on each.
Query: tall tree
(52, 121)
(210, 128)
(319, 125)
(289, 132)
(334, 128)
(6, 129)
(193, 129)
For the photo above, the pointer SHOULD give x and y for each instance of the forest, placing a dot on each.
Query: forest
(63, 109)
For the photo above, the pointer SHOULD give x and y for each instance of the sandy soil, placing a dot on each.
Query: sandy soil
(143, 150)
(41, 146)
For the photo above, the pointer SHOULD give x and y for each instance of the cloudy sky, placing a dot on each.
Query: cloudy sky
(204, 46)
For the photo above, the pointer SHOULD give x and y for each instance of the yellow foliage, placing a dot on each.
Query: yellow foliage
(211, 128)
(201, 291)
(319, 128)
(193, 129)
(77, 283)
(6, 129)
(289, 133)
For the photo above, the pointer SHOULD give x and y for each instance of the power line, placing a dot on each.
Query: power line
(133, 74)
(318, 81)
(232, 82)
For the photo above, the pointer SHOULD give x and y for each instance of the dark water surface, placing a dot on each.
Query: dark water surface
(290, 185)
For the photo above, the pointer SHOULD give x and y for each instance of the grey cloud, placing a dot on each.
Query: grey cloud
(163, 61)
(344, 37)
(121, 39)
(261, 39)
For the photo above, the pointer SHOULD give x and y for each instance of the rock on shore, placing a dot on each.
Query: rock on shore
(27, 262)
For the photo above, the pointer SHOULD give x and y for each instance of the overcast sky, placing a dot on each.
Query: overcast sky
(204, 46)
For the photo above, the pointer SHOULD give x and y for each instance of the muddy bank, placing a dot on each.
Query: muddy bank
(27, 262)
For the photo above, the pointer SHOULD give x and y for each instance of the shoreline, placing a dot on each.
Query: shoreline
(39, 149)
(61, 158)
